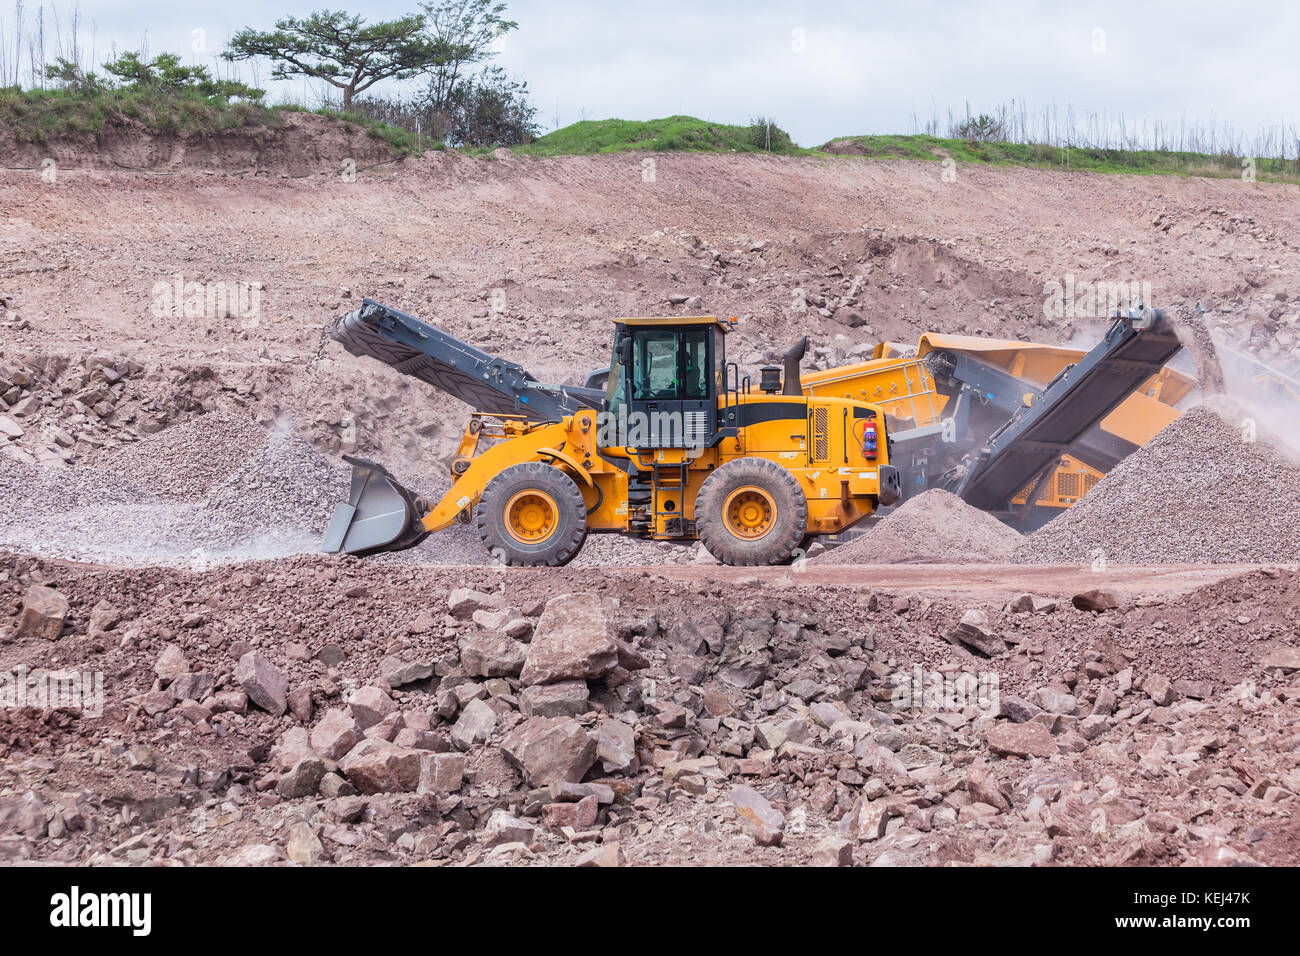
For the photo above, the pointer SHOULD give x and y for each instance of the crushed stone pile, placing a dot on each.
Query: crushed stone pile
(1199, 492)
(184, 461)
(252, 494)
(935, 527)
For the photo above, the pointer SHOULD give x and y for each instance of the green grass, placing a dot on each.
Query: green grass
(674, 133)
(40, 116)
(1147, 162)
(688, 134)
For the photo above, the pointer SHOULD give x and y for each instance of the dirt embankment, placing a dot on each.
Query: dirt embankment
(302, 144)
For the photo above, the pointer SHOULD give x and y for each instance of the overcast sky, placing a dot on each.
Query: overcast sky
(823, 69)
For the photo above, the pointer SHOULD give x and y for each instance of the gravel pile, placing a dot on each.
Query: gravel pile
(184, 461)
(935, 527)
(252, 495)
(1198, 492)
(220, 489)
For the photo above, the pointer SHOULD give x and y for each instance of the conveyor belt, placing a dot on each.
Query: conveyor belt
(484, 382)
(1059, 421)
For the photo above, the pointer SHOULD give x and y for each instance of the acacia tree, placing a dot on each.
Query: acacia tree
(464, 31)
(342, 49)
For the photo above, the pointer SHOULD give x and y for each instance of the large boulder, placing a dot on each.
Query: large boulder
(1030, 739)
(615, 745)
(171, 664)
(566, 699)
(336, 734)
(463, 602)
(491, 654)
(370, 705)
(767, 823)
(265, 686)
(550, 749)
(44, 610)
(400, 673)
(474, 726)
(1095, 600)
(379, 767)
(574, 640)
(302, 779)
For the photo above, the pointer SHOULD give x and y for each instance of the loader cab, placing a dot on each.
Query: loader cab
(665, 379)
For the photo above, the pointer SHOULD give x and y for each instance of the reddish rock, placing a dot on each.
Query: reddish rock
(302, 779)
(766, 821)
(335, 735)
(574, 640)
(474, 726)
(442, 772)
(491, 654)
(579, 816)
(833, 851)
(384, 769)
(550, 749)
(265, 686)
(1286, 659)
(565, 699)
(44, 610)
(463, 602)
(370, 705)
(615, 745)
(171, 664)
(1095, 600)
(1030, 739)
(983, 787)
(1159, 689)
(607, 855)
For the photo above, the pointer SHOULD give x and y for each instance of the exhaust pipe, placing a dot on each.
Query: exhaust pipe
(379, 515)
(793, 386)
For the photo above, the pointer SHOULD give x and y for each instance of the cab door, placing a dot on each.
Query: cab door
(671, 398)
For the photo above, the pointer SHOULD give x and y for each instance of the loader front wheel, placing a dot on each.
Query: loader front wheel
(751, 511)
(532, 515)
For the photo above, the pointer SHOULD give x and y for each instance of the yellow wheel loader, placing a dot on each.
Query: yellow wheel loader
(677, 445)
(671, 442)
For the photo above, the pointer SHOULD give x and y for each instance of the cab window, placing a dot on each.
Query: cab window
(670, 364)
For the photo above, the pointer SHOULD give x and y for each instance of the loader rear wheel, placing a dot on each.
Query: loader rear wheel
(751, 511)
(532, 515)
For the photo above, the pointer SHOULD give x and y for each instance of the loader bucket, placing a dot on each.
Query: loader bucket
(379, 515)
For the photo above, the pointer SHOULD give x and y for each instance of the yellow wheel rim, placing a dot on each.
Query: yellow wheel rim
(749, 512)
(531, 516)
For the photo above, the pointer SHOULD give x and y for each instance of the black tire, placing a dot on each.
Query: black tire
(530, 485)
(775, 538)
